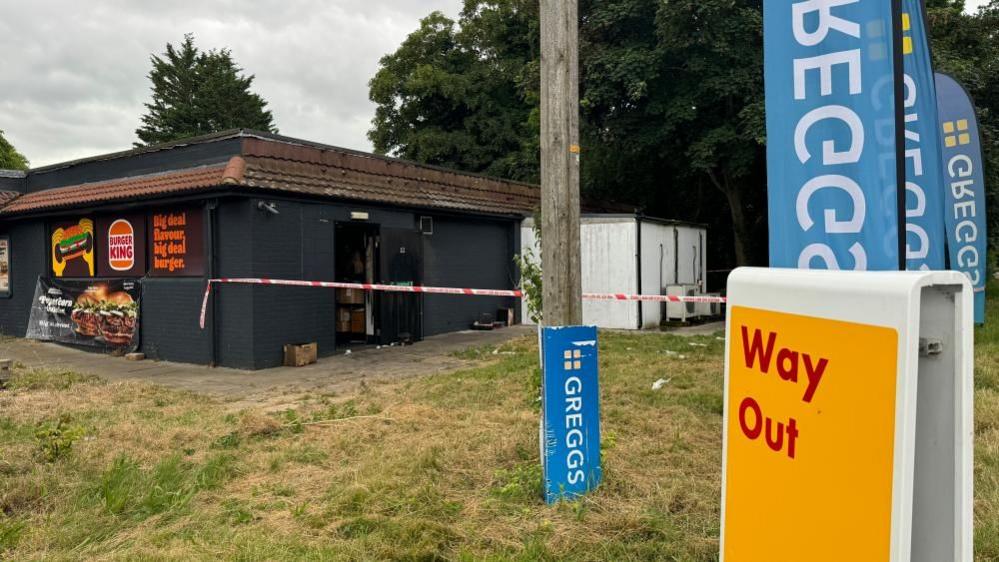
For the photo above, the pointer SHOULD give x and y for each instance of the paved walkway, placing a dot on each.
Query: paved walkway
(340, 373)
(277, 387)
(698, 329)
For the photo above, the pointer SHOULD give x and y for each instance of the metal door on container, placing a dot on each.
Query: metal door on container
(401, 257)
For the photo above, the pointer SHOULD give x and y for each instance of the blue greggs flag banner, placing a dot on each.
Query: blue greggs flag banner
(831, 134)
(570, 420)
(925, 240)
(964, 175)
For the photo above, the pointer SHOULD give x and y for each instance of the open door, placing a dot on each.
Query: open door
(401, 314)
(355, 262)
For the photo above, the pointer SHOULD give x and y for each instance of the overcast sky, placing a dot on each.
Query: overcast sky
(73, 76)
(73, 73)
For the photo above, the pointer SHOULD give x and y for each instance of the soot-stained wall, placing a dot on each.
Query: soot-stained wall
(255, 322)
(463, 252)
(299, 242)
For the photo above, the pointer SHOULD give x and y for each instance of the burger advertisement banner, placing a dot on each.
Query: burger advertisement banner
(98, 313)
(73, 249)
(121, 241)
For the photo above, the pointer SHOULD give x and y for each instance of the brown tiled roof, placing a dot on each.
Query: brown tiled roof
(298, 167)
(7, 197)
(170, 183)
(346, 175)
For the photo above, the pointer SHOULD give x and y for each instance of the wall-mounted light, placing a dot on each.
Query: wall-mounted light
(359, 216)
(268, 207)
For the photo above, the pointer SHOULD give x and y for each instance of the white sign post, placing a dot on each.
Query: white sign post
(848, 417)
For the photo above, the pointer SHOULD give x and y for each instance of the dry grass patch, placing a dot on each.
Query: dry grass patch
(439, 468)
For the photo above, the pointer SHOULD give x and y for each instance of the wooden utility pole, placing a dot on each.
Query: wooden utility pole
(563, 295)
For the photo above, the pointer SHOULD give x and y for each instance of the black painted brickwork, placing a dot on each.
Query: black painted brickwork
(466, 253)
(29, 253)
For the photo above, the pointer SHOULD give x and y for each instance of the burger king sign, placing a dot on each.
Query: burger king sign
(122, 246)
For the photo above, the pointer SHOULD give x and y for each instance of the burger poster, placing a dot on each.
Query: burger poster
(73, 249)
(121, 243)
(92, 313)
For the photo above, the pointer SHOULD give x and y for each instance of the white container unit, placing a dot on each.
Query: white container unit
(632, 254)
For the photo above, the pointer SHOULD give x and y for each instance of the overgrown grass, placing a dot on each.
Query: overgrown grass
(987, 431)
(439, 468)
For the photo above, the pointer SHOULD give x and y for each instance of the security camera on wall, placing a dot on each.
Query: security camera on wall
(268, 207)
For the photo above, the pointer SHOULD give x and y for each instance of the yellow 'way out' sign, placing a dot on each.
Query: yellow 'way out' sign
(827, 457)
(808, 397)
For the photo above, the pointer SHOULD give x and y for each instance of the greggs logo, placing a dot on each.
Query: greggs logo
(121, 245)
(956, 133)
(907, 44)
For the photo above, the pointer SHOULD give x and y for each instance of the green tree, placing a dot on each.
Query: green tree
(671, 101)
(454, 95)
(10, 158)
(673, 113)
(667, 104)
(197, 93)
(964, 46)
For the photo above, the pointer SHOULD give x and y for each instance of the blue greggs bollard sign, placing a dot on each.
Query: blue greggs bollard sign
(570, 429)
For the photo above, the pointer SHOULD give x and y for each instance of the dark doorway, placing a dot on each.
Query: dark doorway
(356, 261)
(401, 314)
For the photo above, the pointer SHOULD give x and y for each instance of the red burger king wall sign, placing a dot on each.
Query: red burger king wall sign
(121, 246)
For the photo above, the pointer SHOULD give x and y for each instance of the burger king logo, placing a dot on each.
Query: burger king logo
(121, 245)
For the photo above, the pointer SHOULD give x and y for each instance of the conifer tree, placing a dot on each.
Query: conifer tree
(197, 93)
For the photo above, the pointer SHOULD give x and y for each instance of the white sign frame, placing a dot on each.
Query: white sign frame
(934, 443)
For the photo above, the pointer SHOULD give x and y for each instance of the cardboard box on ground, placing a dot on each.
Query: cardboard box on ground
(300, 355)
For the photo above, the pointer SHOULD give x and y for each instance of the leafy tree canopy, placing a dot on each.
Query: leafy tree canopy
(10, 158)
(457, 96)
(197, 93)
(671, 102)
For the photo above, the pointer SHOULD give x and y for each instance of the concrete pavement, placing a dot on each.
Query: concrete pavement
(337, 374)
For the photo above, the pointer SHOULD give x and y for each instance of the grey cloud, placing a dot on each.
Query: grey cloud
(73, 78)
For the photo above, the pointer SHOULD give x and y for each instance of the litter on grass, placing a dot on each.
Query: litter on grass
(660, 383)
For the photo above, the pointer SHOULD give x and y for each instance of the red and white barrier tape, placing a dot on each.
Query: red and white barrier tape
(444, 291)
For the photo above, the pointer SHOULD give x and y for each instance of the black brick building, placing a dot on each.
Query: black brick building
(249, 204)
